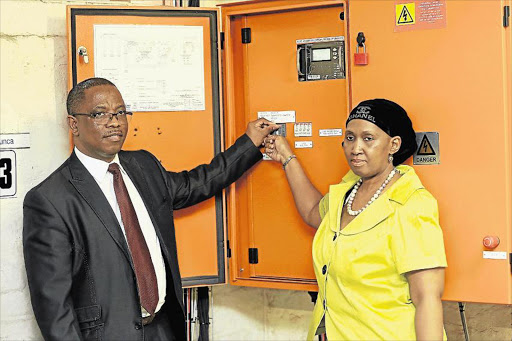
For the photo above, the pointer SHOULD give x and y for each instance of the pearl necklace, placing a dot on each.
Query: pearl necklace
(373, 198)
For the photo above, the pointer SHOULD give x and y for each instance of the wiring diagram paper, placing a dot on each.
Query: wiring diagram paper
(155, 67)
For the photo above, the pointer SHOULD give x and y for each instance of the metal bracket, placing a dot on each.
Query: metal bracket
(510, 261)
(253, 256)
(246, 35)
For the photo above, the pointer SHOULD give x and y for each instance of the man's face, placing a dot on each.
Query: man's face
(100, 141)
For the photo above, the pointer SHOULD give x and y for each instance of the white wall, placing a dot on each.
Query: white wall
(33, 83)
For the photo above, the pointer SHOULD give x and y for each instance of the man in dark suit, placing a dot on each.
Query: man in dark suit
(98, 233)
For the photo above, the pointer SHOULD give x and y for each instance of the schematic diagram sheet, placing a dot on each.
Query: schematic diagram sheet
(155, 67)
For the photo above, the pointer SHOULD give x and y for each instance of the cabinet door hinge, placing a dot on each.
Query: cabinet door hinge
(253, 256)
(246, 35)
(228, 250)
(222, 37)
(510, 261)
(506, 16)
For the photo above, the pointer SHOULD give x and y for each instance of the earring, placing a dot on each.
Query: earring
(390, 159)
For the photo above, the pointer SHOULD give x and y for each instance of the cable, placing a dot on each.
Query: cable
(203, 310)
(462, 309)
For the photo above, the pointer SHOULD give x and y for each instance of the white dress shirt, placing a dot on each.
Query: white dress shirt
(105, 179)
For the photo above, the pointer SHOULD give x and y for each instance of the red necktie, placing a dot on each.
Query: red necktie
(144, 270)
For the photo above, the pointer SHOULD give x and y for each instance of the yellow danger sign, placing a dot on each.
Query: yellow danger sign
(405, 14)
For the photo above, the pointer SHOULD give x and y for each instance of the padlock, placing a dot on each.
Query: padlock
(361, 58)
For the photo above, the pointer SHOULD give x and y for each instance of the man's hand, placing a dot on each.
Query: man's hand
(259, 129)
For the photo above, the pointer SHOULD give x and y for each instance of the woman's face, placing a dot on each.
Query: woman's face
(367, 148)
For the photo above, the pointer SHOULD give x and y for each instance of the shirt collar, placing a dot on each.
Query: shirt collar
(97, 168)
(401, 190)
(408, 183)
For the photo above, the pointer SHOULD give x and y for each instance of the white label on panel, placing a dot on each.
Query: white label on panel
(303, 144)
(303, 129)
(495, 255)
(266, 157)
(320, 40)
(7, 173)
(330, 132)
(278, 116)
(15, 141)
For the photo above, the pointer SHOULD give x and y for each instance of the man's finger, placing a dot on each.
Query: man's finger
(266, 124)
(271, 127)
(264, 120)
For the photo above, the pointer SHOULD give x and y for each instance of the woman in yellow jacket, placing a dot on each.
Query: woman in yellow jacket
(378, 253)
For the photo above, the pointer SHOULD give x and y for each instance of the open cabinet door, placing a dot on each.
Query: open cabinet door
(266, 63)
(165, 62)
(453, 77)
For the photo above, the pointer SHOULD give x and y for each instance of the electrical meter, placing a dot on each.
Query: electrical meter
(321, 59)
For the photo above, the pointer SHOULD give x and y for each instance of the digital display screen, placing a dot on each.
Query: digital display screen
(320, 55)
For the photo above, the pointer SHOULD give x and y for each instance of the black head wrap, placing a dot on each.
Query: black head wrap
(391, 118)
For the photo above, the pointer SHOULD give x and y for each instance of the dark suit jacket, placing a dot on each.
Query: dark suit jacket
(79, 268)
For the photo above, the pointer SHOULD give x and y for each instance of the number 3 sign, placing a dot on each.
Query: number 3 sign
(7, 173)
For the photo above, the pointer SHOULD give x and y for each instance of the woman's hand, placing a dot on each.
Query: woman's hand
(277, 148)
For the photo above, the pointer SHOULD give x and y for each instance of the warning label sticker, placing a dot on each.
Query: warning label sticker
(419, 15)
(428, 149)
(425, 147)
(405, 13)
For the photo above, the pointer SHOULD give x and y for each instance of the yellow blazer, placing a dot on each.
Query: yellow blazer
(363, 292)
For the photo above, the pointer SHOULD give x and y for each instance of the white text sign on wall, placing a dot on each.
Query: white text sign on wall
(14, 141)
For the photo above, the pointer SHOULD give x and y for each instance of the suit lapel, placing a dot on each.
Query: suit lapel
(136, 174)
(382, 208)
(377, 212)
(85, 184)
(336, 200)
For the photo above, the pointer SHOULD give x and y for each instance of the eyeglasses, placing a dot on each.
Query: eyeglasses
(122, 116)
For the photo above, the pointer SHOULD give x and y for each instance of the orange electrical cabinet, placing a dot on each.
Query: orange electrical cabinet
(103, 40)
(305, 63)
